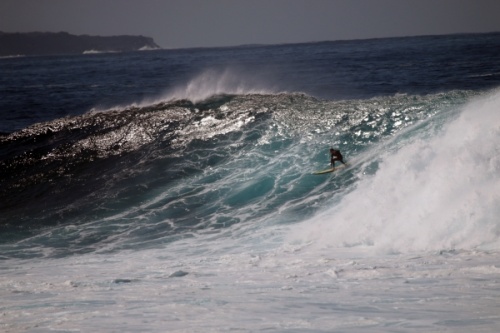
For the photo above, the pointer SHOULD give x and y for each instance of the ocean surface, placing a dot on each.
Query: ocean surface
(172, 190)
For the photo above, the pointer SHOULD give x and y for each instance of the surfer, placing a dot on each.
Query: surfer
(335, 155)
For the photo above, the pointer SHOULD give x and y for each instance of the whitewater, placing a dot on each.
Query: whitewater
(173, 190)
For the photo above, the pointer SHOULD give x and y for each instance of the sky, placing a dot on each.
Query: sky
(207, 23)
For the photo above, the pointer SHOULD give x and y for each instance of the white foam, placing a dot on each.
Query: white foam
(433, 193)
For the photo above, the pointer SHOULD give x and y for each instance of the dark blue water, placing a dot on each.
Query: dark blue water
(44, 88)
(173, 190)
(157, 138)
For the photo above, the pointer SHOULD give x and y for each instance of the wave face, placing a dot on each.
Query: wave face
(172, 169)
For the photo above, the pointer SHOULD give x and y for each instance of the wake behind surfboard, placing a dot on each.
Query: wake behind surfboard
(322, 172)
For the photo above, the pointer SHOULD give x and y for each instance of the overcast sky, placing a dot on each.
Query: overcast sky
(193, 23)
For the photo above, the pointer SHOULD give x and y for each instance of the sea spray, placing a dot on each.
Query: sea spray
(218, 81)
(437, 192)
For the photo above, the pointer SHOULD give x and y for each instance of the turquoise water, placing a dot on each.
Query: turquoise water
(173, 190)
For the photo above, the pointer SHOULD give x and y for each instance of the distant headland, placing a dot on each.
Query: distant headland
(48, 43)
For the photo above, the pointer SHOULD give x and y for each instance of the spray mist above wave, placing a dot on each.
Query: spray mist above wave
(214, 82)
(434, 192)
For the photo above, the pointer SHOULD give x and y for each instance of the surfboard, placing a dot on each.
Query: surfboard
(322, 172)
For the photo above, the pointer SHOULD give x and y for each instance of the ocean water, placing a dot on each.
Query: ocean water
(172, 190)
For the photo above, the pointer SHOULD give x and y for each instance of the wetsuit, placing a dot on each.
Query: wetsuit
(336, 156)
